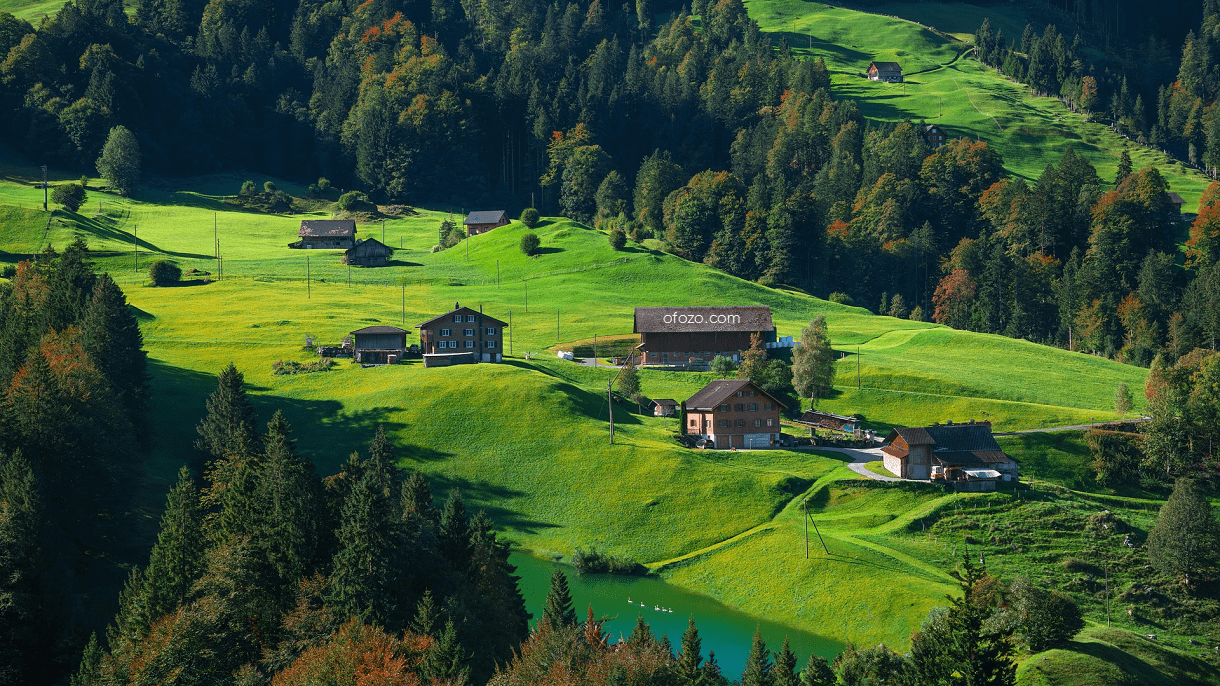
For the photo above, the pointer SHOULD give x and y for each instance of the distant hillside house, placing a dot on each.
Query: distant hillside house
(734, 413)
(327, 234)
(482, 222)
(379, 344)
(368, 253)
(1176, 201)
(664, 407)
(462, 331)
(679, 335)
(828, 420)
(955, 452)
(935, 136)
(889, 72)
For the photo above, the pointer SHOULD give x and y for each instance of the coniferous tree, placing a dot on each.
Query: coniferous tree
(641, 634)
(89, 673)
(427, 616)
(446, 659)
(366, 565)
(690, 660)
(228, 428)
(27, 620)
(289, 517)
(453, 532)
(176, 561)
(111, 336)
(757, 671)
(817, 672)
(558, 608)
(1124, 168)
(784, 671)
(1184, 540)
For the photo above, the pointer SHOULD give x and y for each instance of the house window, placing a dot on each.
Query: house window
(724, 408)
(724, 423)
(441, 345)
(469, 344)
(770, 422)
(467, 332)
(741, 422)
(490, 344)
(470, 318)
(757, 422)
(754, 407)
(457, 318)
(767, 407)
(445, 332)
(740, 406)
(707, 423)
(491, 331)
(737, 394)
(694, 422)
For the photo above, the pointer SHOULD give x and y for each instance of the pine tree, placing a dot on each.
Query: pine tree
(111, 336)
(690, 659)
(817, 672)
(290, 506)
(453, 532)
(89, 671)
(1124, 168)
(641, 635)
(27, 622)
(417, 498)
(228, 428)
(1185, 537)
(366, 562)
(558, 608)
(757, 671)
(709, 673)
(176, 560)
(784, 672)
(427, 616)
(446, 659)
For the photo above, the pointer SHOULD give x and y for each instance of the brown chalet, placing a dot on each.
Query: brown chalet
(461, 335)
(935, 136)
(955, 452)
(1175, 202)
(889, 72)
(681, 335)
(326, 234)
(368, 253)
(733, 413)
(482, 222)
(379, 344)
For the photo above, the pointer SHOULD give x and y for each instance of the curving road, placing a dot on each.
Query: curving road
(862, 456)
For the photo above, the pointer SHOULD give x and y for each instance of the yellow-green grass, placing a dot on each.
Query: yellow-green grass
(1101, 657)
(878, 467)
(958, 19)
(33, 10)
(963, 96)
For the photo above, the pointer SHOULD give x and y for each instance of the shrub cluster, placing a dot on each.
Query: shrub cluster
(283, 367)
(594, 561)
(164, 273)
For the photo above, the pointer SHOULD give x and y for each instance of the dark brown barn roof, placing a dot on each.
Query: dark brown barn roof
(717, 392)
(487, 318)
(1175, 199)
(665, 402)
(485, 217)
(961, 445)
(886, 66)
(913, 435)
(812, 416)
(379, 329)
(327, 228)
(688, 319)
(368, 244)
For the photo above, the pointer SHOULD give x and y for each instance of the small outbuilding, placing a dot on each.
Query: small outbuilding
(888, 72)
(1176, 202)
(379, 344)
(368, 253)
(664, 407)
(484, 221)
(827, 420)
(326, 234)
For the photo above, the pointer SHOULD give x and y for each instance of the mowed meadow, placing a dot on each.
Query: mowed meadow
(946, 86)
(528, 439)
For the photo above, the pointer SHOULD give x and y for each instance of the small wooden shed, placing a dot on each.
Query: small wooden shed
(889, 72)
(664, 407)
(379, 344)
(484, 221)
(326, 234)
(368, 253)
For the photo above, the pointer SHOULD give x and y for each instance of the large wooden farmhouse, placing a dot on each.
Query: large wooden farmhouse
(326, 234)
(368, 253)
(461, 335)
(681, 335)
(733, 413)
(482, 222)
(935, 136)
(961, 453)
(379, 344)
(889, 72)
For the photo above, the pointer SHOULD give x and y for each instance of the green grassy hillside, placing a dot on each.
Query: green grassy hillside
(946, 86)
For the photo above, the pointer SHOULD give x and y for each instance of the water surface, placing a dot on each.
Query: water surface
(726, 631)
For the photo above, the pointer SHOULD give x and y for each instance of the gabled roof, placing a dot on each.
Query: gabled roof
(379, 329)
(886, 66)
(366, 244)
(487, 319)
(811, 416)
(327, 228)
(959, 445)
(1175, 198)
(719, 391)
(702, 319)
(485, 217)
(913, 435)
(665, 402)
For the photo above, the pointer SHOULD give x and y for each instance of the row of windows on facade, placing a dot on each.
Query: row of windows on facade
(468, 344)
(744, 407)
(696, 353)
(491, 331)
(457, 318)
(726, 423)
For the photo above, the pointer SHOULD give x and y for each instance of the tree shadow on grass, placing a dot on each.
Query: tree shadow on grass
(489, 497)
(588, 403)
(547, 251)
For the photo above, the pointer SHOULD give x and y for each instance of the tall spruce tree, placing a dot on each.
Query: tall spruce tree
(228, 428)
(558, 609)
(784, 671)
(364, 580)
(111, 336)
(1185, 537)
(817, 672)
(89, 672)
(690, 658)
(177, 558)
(757, 671)
(641, 634)
(453, 532)
(289, 497)
(28, 621)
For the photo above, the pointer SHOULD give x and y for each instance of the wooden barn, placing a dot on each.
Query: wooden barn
(888, 72)
(462, 331)
(827, 420)
(935, 136)
(1175, 202)
(326, 234)
(379, 344)
(482, 222)
(954, 452)
(664, 407)
(734, 413)
(682, 335)
(368, 253)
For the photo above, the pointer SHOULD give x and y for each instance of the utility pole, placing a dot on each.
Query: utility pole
(857, 367)
(135, 247)
(215, 236)
(527, 297)
(404, 302)
(467, 247)
(557, 339)
(349, 274)
(610, 404)
(383, 232)
(510, 332)
(44, 188)
(497, 273)
(594, 350)
(307, 294)
(1107, 563)
(805, 510)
